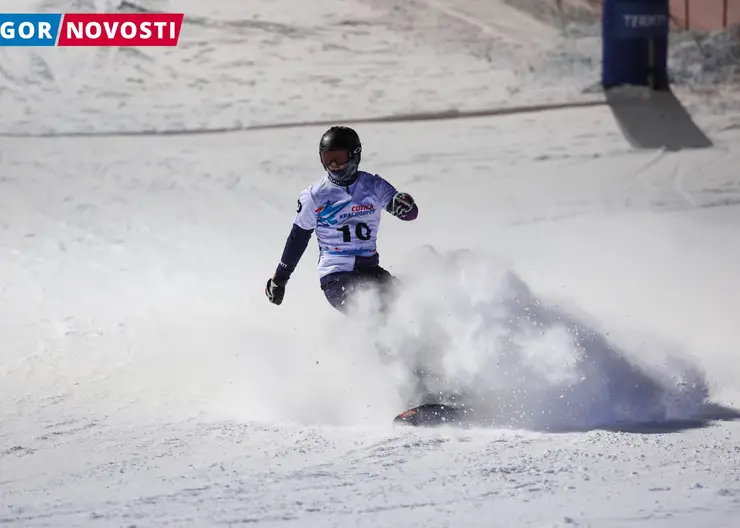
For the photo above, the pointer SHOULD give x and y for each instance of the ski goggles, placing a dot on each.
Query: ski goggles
(335, 157)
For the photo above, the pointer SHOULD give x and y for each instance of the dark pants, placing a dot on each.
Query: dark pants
(339, 287)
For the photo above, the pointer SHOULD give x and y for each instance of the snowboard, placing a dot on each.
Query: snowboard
(430, 415)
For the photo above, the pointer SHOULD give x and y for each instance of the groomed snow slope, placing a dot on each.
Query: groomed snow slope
(146, 381)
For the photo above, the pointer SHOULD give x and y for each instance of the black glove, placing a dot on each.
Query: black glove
(275, 290)
(400, 205)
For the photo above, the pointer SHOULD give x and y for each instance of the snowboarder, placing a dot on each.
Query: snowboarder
(344, 209)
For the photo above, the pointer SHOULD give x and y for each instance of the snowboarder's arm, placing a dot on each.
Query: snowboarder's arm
(399, 204)
(294, 248)
(304, 224)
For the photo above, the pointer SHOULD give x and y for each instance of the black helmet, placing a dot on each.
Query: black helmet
(340, 151)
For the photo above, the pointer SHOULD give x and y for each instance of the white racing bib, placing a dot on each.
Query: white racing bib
(346, 219)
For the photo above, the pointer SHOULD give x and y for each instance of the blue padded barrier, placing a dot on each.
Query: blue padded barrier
(635, 43)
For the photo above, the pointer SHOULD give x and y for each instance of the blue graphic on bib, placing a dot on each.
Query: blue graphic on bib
(326, 214)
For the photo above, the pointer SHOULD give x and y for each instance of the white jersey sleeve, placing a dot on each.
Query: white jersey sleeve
(384, 191)
(305, 216)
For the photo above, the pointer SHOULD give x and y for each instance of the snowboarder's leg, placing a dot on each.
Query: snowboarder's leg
(339, 287)
(383, 280)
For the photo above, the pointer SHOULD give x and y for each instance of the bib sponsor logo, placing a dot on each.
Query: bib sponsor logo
(359, 210)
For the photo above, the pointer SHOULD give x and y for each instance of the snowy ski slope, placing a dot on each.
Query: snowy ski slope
(146, 381)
